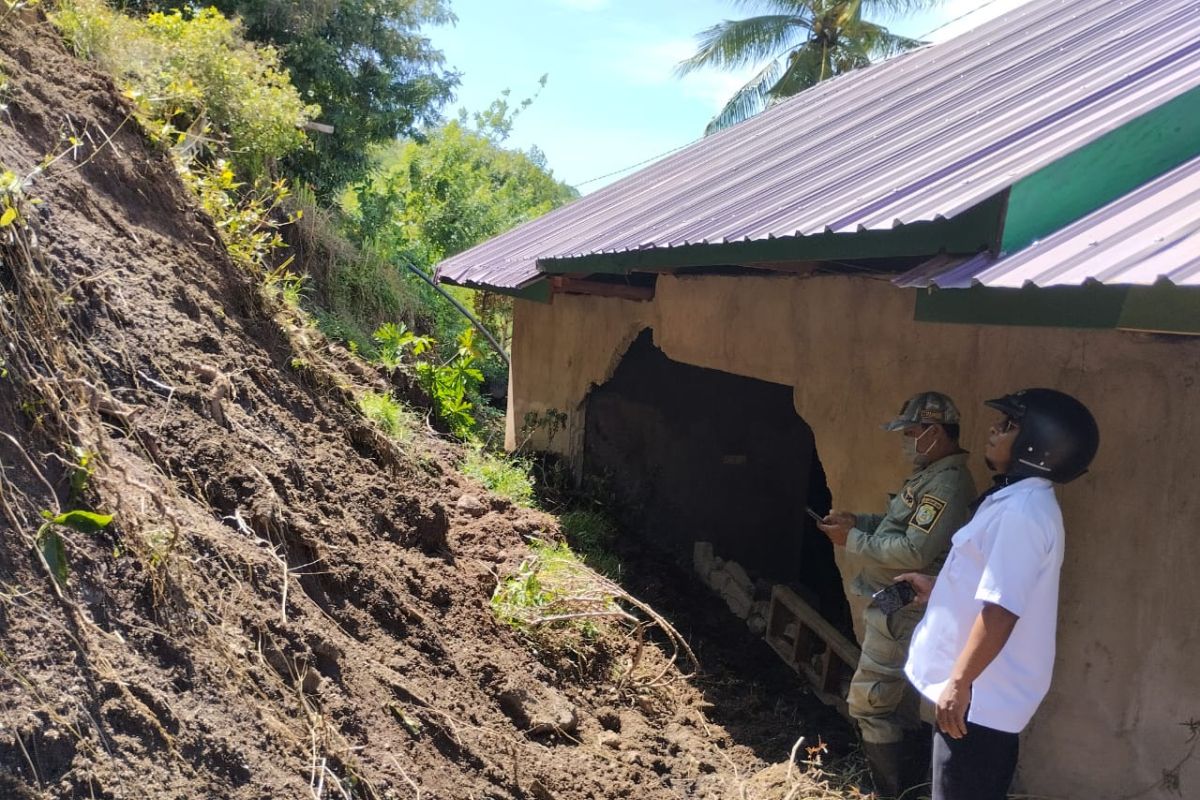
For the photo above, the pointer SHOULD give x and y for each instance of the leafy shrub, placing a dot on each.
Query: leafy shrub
(245, 220)
(454, 385)
(507, 477)
(392, 340)
(369, 62)
(194, 80)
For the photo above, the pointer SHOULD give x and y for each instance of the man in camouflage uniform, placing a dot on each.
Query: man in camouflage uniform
(913, 535)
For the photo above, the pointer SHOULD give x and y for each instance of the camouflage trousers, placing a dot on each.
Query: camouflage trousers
(881, 698)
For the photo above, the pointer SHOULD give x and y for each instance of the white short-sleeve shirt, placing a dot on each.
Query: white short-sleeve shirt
(1009, 554)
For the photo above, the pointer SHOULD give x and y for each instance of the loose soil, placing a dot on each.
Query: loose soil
(288, 604)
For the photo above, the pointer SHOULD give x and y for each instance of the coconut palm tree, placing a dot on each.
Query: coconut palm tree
(802, 41)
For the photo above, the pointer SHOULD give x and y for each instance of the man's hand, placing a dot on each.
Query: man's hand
(922, 583)
(988, 636)
(837, 525)
(952, 709)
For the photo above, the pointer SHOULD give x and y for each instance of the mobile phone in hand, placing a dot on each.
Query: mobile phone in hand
(815, 516)
(891, 599)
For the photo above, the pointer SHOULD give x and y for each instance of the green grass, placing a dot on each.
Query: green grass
(340, 328)
(593, 536)
(389, 414)
(552, 582)
(507, 477)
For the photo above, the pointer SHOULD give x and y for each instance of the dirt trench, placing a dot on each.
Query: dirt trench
(286, 604)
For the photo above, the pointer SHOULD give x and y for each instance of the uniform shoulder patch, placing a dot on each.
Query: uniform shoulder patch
(927, 513)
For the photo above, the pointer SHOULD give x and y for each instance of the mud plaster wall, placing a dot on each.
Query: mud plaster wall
(1129, 626)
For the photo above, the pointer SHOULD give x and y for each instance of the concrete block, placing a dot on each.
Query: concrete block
(717, 580)
(738, 599)
(762, 608)
(702, 558)
(738, 575)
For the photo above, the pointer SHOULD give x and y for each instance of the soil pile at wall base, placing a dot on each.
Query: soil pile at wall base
(286, 603)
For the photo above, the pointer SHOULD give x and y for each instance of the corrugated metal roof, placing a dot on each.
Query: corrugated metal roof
(923, 136)
(1149, 234)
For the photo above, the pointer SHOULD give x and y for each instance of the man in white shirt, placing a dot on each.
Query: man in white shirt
(984, 651)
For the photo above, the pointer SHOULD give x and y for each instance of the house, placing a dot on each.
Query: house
(721, 333)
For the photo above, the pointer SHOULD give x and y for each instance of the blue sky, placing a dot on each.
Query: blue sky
(612, 99)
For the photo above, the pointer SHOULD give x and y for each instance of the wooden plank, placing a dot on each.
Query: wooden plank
(560, 284)
(316, 127)
(835, 663)
(809, 617)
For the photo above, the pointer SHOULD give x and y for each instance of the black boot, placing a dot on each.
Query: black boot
(886, 762)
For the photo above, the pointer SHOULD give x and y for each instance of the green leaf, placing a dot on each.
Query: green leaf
(83, 521)
(55, 553)
(81, 473)
(7, 217)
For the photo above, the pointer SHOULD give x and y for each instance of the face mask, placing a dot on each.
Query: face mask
(913, 452)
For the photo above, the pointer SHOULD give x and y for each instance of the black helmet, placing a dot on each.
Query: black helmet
(1058, 436)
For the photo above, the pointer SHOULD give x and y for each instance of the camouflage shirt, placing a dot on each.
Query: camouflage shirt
(914, 534)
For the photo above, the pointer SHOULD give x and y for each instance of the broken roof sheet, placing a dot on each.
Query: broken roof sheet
(922, 136)
(1150, 234)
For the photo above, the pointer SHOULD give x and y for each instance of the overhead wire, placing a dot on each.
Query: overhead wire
(640, 163)
(959, 18)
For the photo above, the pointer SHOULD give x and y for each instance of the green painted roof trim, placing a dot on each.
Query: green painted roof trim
(539, 290)
(974, 230)
(1161, 308)
(1095, 175)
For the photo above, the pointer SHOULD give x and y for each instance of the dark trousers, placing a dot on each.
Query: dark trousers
(979, 766)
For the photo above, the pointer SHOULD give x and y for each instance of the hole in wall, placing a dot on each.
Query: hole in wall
(696, 455)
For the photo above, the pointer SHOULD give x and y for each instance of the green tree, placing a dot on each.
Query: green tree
(459, 187)
(365, 62)
(456, 186)
(802, 42)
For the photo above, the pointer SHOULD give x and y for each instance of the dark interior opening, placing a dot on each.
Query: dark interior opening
(699, 455)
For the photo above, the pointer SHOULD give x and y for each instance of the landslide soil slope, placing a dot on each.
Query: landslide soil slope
(287, 604)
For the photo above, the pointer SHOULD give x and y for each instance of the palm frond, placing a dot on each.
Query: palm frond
(804, 70)
(736, 43)
(748, 100)
(806, 42)
(878, 42)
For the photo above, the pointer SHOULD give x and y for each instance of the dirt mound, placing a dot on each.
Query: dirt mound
(286, 603)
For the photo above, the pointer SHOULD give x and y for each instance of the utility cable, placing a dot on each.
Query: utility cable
(925, 36)
(638, 164)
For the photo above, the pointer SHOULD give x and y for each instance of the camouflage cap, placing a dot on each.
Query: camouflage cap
(926, 408)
